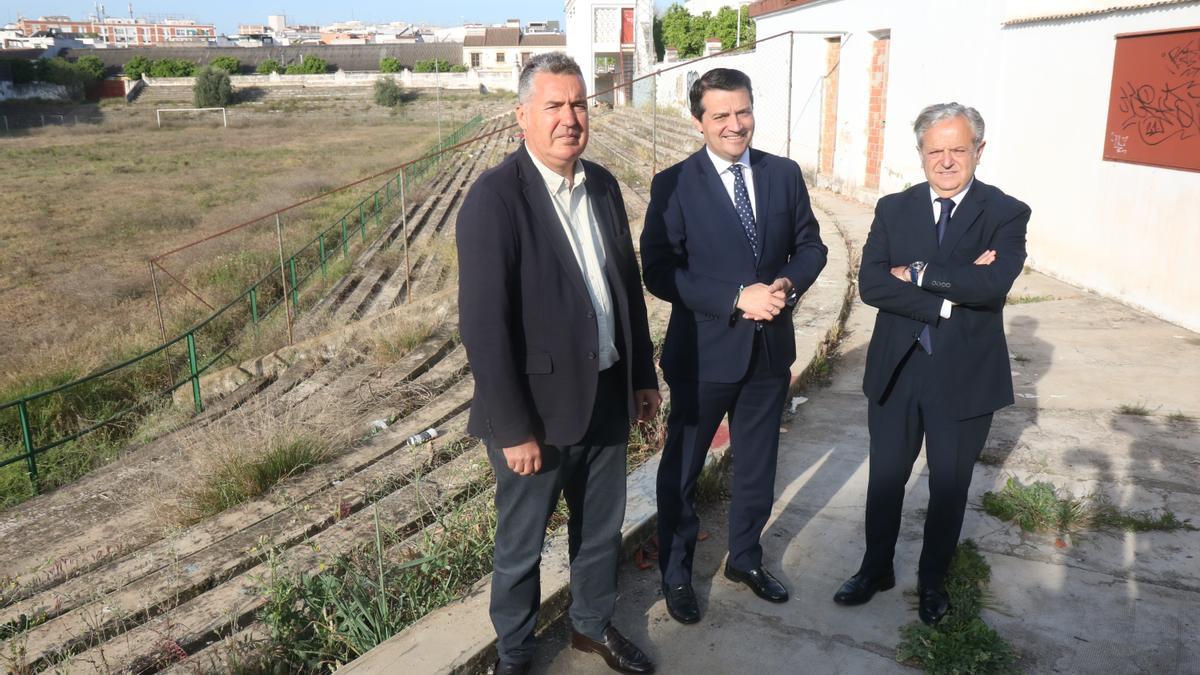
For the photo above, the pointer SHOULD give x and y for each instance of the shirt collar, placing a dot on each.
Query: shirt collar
(554, 181)
(957, 199)
(723, 165)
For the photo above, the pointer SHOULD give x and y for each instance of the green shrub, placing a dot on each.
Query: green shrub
(137, 66)
(390, 64)
(269, 66)
(459, 68)
(388, 93)
(309, 65)
(91, 66)
(212, 88)
(172, 68)
(431, 65)
(229, 64)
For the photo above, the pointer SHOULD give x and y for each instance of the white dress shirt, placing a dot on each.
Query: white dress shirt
(575, 215)
(937, 212)
(726, 175)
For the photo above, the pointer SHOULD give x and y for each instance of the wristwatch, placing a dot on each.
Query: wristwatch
(915, 269)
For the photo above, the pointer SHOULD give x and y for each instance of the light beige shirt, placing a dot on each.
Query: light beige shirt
(575, 215)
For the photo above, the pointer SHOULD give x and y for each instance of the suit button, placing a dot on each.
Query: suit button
(591, 315)
(592, 355)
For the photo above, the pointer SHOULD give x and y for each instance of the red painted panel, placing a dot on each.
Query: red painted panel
(627, 26)
(1154, 103)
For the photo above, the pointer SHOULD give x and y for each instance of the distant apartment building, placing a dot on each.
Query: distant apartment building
(507, 47)
(611, 41)
(118, 32)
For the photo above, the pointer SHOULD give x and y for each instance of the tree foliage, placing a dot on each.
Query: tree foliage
(687, 33)
(388, 93)
(431, 65)
(212, 88)
(229, 64)
(309, 65)
(390, 64)
(269, 66)
(137, 66)
(172, 68)
(91, 66)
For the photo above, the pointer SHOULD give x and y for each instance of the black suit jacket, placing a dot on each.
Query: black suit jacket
(970, 345)
(695, 255)
(524, 312)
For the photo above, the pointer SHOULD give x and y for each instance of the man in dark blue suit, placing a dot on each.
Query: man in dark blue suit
(938, 263)
(731, 242)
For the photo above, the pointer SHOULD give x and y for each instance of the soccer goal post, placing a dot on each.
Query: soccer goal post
(158, 112)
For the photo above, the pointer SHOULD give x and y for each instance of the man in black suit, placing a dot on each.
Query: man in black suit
(553, 318)
(938, 263)
(731, 242)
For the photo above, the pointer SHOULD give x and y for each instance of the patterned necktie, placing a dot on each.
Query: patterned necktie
(741, 204)
(926, 339)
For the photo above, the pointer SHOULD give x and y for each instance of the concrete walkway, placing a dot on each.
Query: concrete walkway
(1096, 602)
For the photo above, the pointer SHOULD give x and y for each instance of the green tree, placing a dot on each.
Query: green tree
(430, 65)
(137, 66)
(458, 68)
(229, 64)
(683, 31)
(725, 26)
(24, 71)
(390, 64)
(92, 66)
(172, 68)
(212, 88)
(309, 65)
(269, 66)
(388, 93)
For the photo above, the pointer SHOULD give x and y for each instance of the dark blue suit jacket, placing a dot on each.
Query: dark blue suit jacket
(969, 347)
(695, 255)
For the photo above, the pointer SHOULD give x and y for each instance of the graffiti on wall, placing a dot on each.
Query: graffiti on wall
(1154, 105)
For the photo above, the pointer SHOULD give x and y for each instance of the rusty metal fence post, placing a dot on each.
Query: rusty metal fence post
(791, 58)
(283, 279)
(654, 128)
(27, 439)
(404, 233)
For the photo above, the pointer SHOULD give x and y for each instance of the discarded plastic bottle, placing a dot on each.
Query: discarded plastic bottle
(422, 437)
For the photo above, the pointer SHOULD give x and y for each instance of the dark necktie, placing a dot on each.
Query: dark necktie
(943, 220)
(741, 204)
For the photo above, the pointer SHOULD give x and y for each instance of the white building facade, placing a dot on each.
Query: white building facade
(612, 42)
(1039, 71)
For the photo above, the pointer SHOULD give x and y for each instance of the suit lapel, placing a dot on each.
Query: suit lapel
(546, 220)
(725, 219)
(604, 211)
(762, 197)
(965, 216)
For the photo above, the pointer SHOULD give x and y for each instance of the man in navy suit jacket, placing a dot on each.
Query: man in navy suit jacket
(938, 263)
(731, 242)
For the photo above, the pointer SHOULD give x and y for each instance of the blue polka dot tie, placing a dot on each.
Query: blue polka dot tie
(741, 204)
(947, 206)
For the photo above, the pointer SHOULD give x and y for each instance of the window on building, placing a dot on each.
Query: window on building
(475, 59)
(499, 57)
(525, 56)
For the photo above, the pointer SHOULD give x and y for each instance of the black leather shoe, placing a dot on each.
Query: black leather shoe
(860, 588)
(935, 602)
(760, 581)
(620, 654)
(509, 668)
(681, 603)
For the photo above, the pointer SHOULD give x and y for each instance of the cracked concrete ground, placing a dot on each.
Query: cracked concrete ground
(1106, 602)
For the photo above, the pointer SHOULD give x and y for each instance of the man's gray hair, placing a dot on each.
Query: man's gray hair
(555, 63)
(937, 112)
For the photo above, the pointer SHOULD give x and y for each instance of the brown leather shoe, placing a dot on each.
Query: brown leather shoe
(619, 653)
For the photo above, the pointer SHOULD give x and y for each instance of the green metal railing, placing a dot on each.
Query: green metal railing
(204, 343)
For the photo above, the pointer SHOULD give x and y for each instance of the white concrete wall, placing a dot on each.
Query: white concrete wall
(1123, 230)
(34, 90)
(505, 80)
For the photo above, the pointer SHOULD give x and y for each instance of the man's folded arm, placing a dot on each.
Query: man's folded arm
(487, 252)
(983, 285)
(880, 289)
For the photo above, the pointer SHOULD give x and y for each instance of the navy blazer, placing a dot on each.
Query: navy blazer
(525, 315)
(971, 343)
(695, 255)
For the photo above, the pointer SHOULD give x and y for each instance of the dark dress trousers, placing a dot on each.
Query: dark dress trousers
(696, 255)
(530, 333)
(945, 397)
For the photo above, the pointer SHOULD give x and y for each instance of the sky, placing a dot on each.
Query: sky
(227, 15)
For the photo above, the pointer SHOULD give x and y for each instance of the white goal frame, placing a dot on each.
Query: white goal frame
(159, 111)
